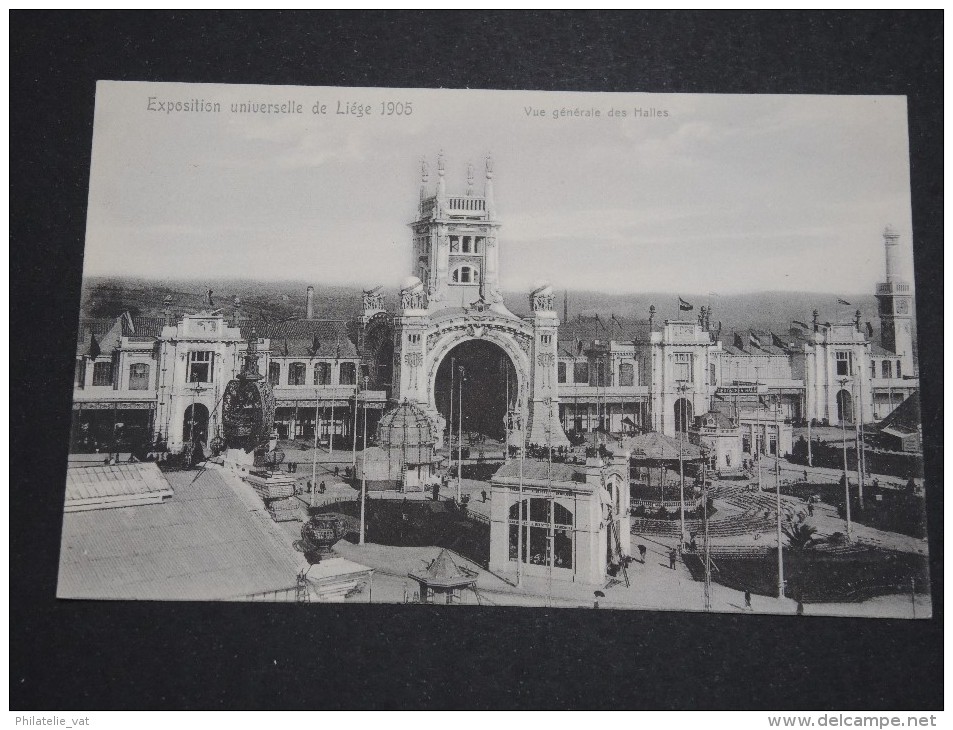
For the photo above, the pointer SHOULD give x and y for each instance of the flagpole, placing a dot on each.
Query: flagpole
(314, 460)
(777, 485)
(860, 467)
(757, 438)
(843, 425)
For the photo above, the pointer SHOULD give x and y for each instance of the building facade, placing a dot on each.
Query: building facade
(161, 379)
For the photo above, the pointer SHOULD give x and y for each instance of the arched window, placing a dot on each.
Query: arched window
(274, 373)
(296, 374)
(322, 373)
(886, 369)
(466, 275)
(348, 373)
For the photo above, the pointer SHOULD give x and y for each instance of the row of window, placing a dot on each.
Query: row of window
(466, 244)
(886, 369)
(844, 360)
(465, 275)
(103, 374)
(199, 370)
(596, 375)
(321, 373)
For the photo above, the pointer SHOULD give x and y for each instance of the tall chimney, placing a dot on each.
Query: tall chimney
(310, 302)
(892, 247)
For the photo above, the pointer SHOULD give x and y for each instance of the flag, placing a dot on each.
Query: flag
(777, 341)
(801, 324)
(208, 297)
(739, 343)
(753, 339)
(844, 302)
(286, 347)
(684, 306)
(94, 349)
(870, 330)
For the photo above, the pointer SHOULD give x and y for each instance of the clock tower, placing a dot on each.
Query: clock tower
(895, 305)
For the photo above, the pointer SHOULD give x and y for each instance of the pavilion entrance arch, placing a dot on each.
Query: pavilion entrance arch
(501, 342)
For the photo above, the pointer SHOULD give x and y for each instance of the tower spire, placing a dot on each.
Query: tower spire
(424, 177)
(441, 183)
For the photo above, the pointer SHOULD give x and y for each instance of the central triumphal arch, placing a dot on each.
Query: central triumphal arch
(453, 298)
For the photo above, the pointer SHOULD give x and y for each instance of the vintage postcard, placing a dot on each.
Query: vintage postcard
(460, 347)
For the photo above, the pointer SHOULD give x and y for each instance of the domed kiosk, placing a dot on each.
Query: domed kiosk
(404, 457)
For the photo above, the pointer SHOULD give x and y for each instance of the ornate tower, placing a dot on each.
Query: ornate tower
(456, 255)
(895, 300)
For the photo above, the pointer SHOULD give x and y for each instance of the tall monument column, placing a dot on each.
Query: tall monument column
(543, 422)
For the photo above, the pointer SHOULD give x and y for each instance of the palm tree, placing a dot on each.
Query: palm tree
(800, 535)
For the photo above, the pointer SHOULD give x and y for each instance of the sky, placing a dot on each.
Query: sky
(724, 193)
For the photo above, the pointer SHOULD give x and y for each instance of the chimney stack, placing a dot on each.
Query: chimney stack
(892, 248)
(310, 302)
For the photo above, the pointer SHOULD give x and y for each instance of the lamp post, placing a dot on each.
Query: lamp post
(314, 460)
(758, 437)
(777, 493)
(453, 367)
(357, 390)
(460, 439)
(683, 389)
(363, 462)
(843, 424)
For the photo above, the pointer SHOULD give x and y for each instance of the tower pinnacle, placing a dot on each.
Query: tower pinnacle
(488, 188)
(441, 183)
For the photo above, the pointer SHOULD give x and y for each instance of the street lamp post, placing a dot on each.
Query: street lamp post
(777, 487)
(460, 439)
(363, 462)
(843, 424)
(314, 460)
(683, 389)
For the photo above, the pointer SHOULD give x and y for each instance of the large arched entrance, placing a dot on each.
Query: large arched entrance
(489, 388)
(379, 352)
(845, 407)
(683, 414)
(195, 424)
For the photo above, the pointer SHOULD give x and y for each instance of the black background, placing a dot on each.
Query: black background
(93, 655)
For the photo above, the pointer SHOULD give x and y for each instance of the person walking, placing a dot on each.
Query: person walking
(642, 551)
(672, 555)
(321, 488)
(747, 598)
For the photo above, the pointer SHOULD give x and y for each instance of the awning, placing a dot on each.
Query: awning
(121, 405)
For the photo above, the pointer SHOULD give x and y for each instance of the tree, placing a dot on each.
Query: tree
(800, 535)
